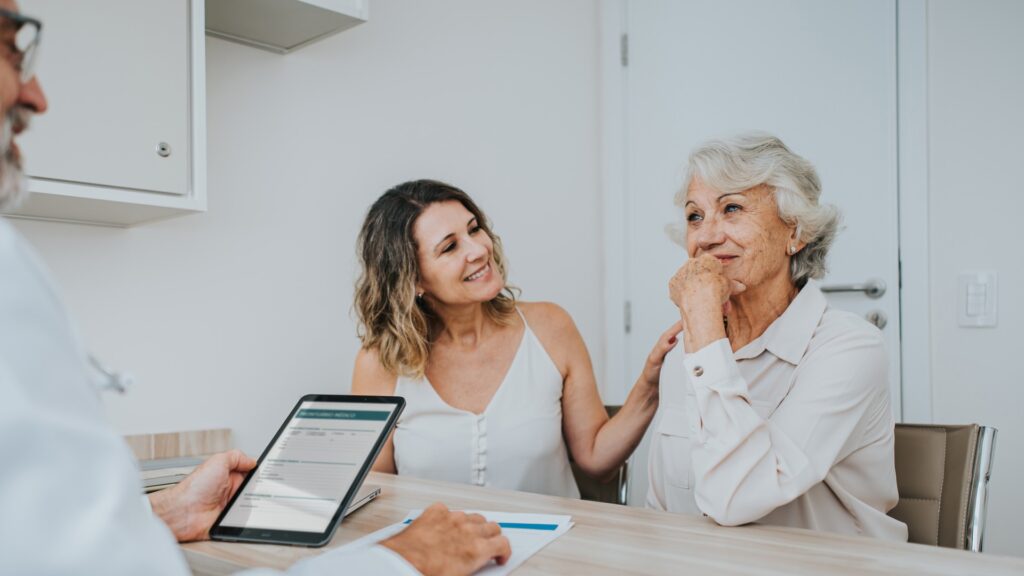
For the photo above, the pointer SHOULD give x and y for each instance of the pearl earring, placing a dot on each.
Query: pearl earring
(792, 250)
(419, 295)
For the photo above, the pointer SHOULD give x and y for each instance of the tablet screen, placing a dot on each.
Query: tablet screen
(305, 474)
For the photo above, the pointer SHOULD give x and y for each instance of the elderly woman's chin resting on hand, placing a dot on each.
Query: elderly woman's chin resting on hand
(778, 409)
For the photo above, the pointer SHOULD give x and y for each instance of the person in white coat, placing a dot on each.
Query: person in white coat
(70, 493)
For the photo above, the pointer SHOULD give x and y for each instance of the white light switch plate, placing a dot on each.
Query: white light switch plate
(976, 299)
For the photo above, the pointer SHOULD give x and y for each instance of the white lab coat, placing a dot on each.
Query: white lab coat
(69, 487)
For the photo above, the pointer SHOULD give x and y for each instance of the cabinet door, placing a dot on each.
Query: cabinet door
(116, 73)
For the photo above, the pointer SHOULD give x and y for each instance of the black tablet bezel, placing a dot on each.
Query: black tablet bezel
(313, 539)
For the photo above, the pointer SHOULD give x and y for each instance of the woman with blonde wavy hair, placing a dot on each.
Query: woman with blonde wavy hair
(496, 388)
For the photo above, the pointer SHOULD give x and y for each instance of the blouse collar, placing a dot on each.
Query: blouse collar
(790, 334)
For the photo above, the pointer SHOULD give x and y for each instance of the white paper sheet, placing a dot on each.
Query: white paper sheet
(527, 534)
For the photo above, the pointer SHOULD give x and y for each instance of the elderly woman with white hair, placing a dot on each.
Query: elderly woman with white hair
(777, 410)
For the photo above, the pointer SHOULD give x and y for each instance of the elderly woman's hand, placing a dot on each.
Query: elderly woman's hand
(701, 291)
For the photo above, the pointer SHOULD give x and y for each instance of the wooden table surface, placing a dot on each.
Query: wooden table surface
(611, 539)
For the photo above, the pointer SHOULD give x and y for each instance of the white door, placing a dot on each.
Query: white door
(820, 75)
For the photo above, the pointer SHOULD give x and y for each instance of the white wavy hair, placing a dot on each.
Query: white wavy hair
(753, 159)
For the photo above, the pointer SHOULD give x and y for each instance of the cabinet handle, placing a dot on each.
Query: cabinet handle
(163, 149)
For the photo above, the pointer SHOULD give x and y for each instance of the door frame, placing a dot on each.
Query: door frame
(912, 170)
(614, 186)
(912, 190)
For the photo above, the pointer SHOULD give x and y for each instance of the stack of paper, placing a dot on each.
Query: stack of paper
(166, 472)
(527, 534)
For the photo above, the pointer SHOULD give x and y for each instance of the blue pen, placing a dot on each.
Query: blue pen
(519, 525)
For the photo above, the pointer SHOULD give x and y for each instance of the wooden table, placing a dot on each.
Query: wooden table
(611, 539)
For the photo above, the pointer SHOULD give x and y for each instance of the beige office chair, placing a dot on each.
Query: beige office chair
(942, 473)
(614, 490)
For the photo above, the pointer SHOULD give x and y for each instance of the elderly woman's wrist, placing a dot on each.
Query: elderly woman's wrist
(698, 339)
(702, 330)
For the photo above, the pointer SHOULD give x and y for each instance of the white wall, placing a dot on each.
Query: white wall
(225, 318)
(976, 202)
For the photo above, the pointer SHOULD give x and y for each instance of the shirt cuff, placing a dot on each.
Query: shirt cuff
(713, 367)
(371, 560)
(398, 564)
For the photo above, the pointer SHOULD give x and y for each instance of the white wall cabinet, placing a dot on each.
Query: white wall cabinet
(123, 141)
(282, 26)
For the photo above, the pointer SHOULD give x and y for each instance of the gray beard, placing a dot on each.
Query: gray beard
(13, 183)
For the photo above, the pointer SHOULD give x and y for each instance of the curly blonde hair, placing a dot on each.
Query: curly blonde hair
(392, 320)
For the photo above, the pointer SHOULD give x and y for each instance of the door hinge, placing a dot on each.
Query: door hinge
(627, 316)
(624, 49)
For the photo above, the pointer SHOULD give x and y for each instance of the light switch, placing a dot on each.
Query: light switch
(977, 299)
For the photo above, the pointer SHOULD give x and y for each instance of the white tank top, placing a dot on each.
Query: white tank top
(516, 443)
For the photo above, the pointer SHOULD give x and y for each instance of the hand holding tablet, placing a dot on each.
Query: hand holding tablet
(310, 473)
(190, 507)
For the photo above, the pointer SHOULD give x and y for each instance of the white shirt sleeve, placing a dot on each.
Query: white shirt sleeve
(69, 492)
(371, 562)
(746, 466)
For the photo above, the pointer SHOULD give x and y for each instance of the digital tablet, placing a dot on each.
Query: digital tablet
(310, 473)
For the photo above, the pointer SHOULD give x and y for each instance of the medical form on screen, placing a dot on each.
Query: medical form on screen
(309, 469)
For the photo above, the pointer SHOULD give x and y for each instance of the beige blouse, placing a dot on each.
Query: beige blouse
(793, 429)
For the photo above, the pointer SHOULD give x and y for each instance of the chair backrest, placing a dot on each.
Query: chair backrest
(613, 490)
(942, 473)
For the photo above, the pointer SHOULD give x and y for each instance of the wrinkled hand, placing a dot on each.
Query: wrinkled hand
(651, 374)
(701, 291)
(190, 508)
(445, 543)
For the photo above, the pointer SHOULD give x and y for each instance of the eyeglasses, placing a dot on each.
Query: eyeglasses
(19, 41)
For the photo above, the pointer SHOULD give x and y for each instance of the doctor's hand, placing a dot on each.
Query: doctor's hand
(190, 507)
(445, 543)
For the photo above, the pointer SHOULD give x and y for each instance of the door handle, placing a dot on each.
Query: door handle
(873, 288)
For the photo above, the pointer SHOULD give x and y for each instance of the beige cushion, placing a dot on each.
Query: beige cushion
(934, 470)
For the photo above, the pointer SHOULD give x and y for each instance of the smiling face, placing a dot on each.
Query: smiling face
(743, 230)
(455, 255)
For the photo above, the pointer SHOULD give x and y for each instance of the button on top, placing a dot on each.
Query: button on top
(698, 371)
